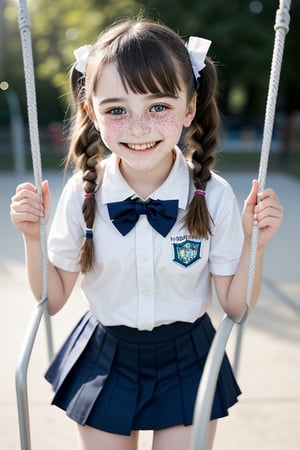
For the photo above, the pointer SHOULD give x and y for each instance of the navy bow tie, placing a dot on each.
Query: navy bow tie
(161, 214)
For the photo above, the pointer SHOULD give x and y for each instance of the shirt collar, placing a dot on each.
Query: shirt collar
(115, 188)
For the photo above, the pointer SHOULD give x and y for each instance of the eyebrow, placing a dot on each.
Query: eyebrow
(122, 100)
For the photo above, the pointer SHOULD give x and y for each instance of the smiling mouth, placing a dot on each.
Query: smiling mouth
(144, 146)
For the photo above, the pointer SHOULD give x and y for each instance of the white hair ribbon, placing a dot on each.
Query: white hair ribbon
(198, 48)
(81, 54)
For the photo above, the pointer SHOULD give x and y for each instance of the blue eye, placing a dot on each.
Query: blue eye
(116, 111)
(158, 108)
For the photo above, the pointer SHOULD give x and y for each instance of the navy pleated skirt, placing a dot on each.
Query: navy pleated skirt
(119, 379)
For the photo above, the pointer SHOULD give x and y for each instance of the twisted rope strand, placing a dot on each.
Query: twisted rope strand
(25, 33)
(281, 28)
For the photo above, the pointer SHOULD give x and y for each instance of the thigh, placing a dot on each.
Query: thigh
(180, 437)
(92, 439)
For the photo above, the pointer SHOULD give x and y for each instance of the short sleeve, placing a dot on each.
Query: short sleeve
(66, 231)
(227, 238)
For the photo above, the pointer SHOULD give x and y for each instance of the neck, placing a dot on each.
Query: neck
(144, 182)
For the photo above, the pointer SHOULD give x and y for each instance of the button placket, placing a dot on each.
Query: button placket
(145, 273)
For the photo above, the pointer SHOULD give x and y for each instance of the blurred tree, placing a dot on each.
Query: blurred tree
(57, 29)
(241, 31)
(243, 36)
(10, 58)
(67, 25)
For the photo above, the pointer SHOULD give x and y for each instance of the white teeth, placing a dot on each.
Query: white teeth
(141, 146)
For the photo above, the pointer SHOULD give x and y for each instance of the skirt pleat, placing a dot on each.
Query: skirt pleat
(118, 379)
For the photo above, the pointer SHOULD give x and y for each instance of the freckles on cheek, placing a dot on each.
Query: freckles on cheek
(168, 124)
(111, 129)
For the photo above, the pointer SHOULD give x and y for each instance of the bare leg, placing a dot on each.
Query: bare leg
(93, 439)
(211, 434)
(179, 438)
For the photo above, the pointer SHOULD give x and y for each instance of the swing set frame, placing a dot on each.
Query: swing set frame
(209, 379)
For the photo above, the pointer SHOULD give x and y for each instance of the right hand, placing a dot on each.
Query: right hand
(27, 207)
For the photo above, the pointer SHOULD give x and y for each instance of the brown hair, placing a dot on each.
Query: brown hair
(150, 57)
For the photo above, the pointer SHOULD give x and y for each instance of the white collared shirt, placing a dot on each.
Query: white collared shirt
(143, 280)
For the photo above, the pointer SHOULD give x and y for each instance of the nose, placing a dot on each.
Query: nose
(139, 125)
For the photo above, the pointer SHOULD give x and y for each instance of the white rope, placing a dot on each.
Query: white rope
(25, 26)
(208, 383)
(281, 28)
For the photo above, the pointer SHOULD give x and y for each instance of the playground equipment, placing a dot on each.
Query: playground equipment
(210, 375)
(209, 379)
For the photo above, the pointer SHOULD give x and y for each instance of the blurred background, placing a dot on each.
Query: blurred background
(242, 35)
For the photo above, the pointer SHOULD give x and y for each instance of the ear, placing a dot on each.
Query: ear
(190, 111)
(89, 111)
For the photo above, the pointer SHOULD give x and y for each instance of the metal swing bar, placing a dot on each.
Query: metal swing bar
(208, 382)
(41, 306)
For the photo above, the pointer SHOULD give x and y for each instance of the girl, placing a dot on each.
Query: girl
(150, 231)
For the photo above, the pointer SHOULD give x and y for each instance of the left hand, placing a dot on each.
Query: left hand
(267, 214)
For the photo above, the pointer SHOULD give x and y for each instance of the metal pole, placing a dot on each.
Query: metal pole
(207, 386)
(49, 335)
(21, 376)
(237, 350)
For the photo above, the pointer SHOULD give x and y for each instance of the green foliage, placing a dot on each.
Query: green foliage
(242, 46)
(67, 25)
(57, 29)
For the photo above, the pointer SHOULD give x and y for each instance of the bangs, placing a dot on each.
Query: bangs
(145, 67)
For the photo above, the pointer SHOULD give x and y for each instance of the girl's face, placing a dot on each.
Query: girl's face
(142, 129)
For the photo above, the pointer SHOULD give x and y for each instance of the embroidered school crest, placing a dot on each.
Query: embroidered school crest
(186, 253)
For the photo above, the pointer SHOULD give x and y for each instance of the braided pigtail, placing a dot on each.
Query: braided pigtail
(201, 138)
(88, 162)
(85, 151)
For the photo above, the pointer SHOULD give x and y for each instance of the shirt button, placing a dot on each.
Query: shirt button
(146, 292)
